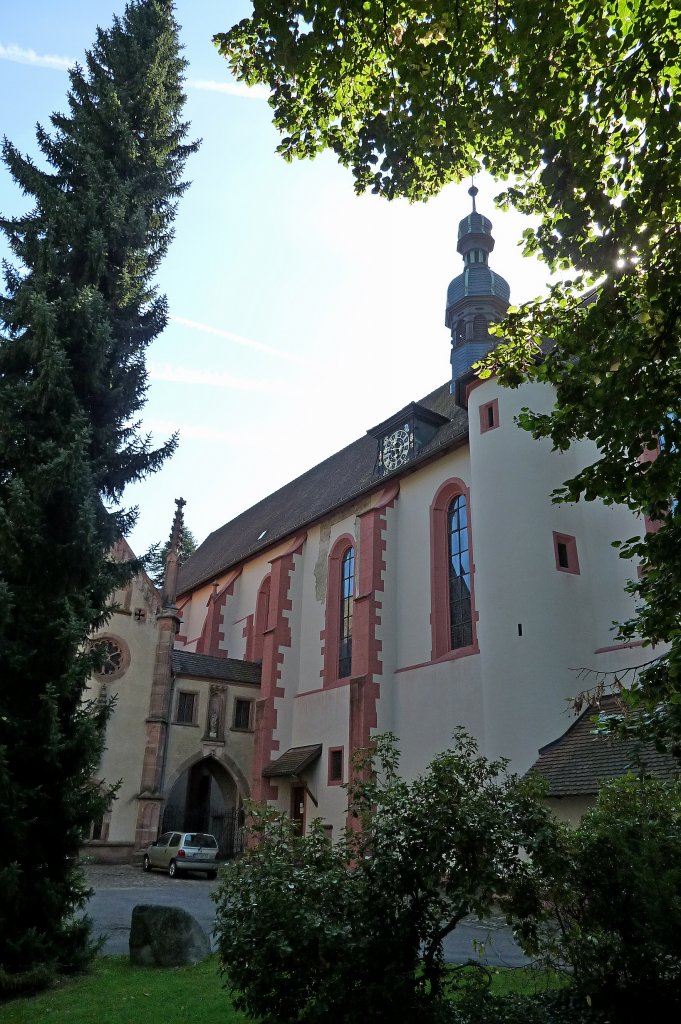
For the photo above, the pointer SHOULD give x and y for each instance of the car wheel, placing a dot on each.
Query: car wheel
(146, 863)
(211, 875)
(172, 869)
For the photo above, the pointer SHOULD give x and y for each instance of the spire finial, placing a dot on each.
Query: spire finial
(169, 592)
(472, 192)
(178, 525)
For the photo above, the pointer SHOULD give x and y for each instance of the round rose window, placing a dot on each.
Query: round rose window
(114, 656)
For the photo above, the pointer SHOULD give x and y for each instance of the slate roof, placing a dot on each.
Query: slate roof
(340, 478)
(293, 761)
(578, 761)
(205, 666)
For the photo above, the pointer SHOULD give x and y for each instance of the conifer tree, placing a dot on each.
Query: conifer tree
(78, 312)
(156, 559)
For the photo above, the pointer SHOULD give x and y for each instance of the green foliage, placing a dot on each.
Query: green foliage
(21, 983)
(155, 562)
(618, 903)
(78, 313)
(561, 1007)
(354, 932)
(576, 105)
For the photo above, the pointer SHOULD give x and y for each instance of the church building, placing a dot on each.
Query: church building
(418, 580)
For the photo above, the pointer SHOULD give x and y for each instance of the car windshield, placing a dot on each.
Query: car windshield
(200, 839)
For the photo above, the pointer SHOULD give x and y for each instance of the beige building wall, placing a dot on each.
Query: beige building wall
(230, 748)
(133, 631)
(132, 627)
(570, 809)
(564, 617)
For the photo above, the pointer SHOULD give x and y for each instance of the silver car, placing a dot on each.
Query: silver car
(177, 852)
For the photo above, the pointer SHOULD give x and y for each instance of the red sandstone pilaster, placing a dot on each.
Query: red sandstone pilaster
(157, 723)
(277, 637)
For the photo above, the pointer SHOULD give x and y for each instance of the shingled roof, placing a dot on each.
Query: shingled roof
(340, 478)
(577, 762)
(206, 666)
(293, 762)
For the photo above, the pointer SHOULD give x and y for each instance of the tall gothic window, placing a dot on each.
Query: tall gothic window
(262, 607)
(460, 607)
(346, 602)
(452, 584)
(338, 614)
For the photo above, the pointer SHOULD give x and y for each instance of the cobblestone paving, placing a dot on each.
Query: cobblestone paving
(119, 887)
(128, 876)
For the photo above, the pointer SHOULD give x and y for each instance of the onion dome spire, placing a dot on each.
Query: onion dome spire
(476, 297)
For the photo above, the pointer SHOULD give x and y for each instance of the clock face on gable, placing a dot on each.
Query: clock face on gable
(395, 448)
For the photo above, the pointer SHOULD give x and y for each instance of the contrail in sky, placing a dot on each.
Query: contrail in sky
(186, 375)
(238, 339)
(20, 55)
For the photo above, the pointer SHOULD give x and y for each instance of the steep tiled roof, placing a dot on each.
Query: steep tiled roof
(578, 761)
(186, 663)
(332, 483)
(293, 761)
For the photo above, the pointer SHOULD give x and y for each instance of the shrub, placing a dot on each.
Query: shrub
(618, 907)
(309, 932)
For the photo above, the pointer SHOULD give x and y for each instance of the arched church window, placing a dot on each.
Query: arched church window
(480, 332)
(346, 603)
(262, 609)
(340, 592)
(460, 608)
(452, 608)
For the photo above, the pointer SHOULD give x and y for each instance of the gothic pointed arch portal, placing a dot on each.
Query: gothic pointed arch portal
(205, 797)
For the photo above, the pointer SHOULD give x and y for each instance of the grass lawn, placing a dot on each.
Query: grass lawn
(525, 981)
(118, 993)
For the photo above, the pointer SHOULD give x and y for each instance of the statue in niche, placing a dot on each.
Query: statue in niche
(214, 715)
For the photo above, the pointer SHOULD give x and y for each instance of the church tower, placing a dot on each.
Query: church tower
(475, 298)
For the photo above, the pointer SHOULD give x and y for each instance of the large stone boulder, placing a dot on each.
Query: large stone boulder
(166, 937)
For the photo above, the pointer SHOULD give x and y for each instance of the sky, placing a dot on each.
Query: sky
(301, 315)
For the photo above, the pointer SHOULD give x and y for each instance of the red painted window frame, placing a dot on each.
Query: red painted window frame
(485, 425)
(570, 543)
(439, 574)
(333, 608)
(330, 780)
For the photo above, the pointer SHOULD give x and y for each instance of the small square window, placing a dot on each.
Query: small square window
(242, 714)
(565, 551)
(489, 416)
(335, 767)
(186, 708)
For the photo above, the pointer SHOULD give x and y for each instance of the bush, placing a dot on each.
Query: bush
(309, 932)
(618, 906)
(25, 983)
(564, 1007)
